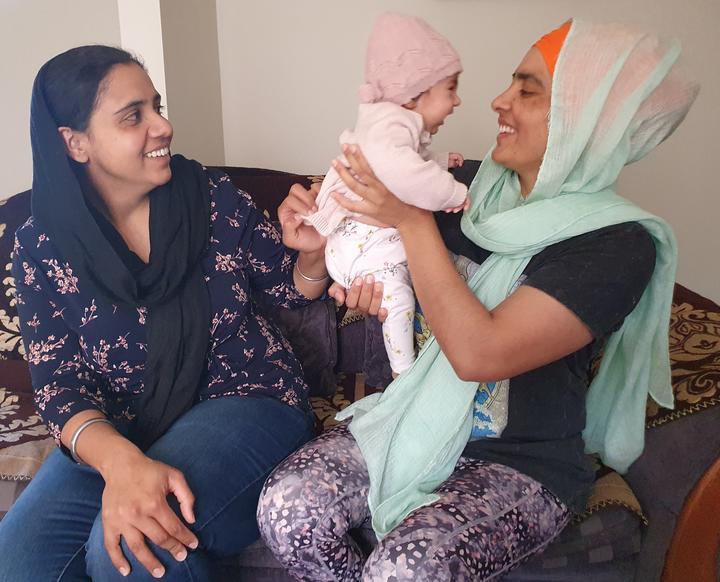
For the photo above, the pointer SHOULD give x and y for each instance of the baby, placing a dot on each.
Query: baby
(411, 76)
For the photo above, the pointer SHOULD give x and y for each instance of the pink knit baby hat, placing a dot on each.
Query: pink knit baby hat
(405, 57)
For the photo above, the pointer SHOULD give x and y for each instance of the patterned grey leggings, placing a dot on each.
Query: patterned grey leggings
(489, 519)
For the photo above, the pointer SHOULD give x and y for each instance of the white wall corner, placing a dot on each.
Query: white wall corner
(141, 34)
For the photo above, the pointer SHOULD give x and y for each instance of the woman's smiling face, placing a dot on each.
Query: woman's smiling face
(127, 139)
(523, 110)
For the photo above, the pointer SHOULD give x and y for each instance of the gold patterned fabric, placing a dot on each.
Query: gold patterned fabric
(24, 439)
(695, 357)
(13, 212)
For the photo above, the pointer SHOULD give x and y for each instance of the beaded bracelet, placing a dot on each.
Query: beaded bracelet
(76, 435)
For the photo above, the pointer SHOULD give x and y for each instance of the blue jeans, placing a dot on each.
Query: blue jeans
(225, 447)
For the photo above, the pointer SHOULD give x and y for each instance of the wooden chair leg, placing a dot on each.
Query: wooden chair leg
(693, 551)
(359, 386)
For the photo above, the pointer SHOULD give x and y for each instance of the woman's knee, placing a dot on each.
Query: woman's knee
(321, 483)
(282, 500)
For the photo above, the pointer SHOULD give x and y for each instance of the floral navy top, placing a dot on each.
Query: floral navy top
(85, 353)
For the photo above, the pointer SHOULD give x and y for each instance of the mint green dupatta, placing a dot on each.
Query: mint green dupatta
(412, 435)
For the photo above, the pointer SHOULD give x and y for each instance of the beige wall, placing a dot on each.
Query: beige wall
(141, 34)
(32, 31)
(290, 72)
(192, 75)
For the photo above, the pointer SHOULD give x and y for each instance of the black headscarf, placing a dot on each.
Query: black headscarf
(171, 285)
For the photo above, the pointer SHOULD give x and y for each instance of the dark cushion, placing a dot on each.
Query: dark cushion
(312, 332)
(267, 187)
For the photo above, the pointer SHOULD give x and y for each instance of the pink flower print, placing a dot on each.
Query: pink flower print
(245, 196)
(227, 317)
(89, 314)
(41, 239)
(214, 380)
(95, 395)
(258, 265)
(55, 431)
(65, 408)
(287, 292)
(242, 332)
(120, 384)
(282, 365)
(240, 294)
(291, 397)
(100, 355)
(16, 297)
(44, 395)
(63, 276)
(142, 314)
(67, 366)
(233, 220)
(121, 341)
(42, 351)
(267, 230)
(34, 322)
(273, 345)
(124, 415)
(227, 263)
(29, 274)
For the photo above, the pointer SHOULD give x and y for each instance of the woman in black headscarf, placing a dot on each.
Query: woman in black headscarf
(170, 397)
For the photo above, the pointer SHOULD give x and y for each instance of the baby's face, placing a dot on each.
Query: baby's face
(438, 102)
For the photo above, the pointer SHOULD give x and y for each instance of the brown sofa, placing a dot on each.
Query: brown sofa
(629, 523)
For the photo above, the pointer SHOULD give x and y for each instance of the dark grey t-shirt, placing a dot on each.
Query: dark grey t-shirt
(600, 276)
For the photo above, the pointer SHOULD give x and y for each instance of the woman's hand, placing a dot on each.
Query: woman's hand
(135, 507)
(377, 201)
(295, 233)
(364, 296)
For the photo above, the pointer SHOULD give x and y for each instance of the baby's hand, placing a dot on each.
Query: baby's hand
(455, 160)
(464, 206)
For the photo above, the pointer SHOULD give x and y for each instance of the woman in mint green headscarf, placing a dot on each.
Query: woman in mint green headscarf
(473, 459)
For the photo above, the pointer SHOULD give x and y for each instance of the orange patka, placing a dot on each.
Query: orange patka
(550, 45)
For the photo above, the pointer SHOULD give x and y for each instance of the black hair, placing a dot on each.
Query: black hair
(73, 81)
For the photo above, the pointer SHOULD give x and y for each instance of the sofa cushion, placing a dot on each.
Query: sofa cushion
(694, 355)
(24, 439)
(267, 187)
(312, 332)
(13, 212)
